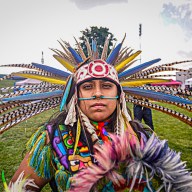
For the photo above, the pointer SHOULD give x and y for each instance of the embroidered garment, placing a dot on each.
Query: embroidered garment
(57, 160)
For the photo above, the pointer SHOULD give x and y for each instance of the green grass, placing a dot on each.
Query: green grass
(12, 142)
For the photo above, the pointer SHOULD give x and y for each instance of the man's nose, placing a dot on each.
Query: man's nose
(98, 92)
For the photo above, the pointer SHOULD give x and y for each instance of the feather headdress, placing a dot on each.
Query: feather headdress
(57, 84)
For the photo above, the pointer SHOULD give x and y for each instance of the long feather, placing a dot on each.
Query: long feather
(105, 49)
(94, 50)
(155, 95)
(37, 96)
(26, 116)
(66, 93)
(51, 70)
(139, 82)
(82, 54)
(113, 56)
(182, 117)
(125, 62)
(42, 78)
(77, 57)
(89, 51)
(65, 63)
(138, 68)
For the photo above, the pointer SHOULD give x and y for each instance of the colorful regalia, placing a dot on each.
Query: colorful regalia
(78, 154)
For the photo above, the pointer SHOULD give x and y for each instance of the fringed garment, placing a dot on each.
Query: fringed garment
(113, 166)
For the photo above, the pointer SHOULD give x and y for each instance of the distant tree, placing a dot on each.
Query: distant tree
(99, 34)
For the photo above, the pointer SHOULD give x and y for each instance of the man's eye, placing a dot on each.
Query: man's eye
(87, 87)
(107, 86)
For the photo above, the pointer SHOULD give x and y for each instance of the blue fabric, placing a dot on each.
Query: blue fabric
(143, 113)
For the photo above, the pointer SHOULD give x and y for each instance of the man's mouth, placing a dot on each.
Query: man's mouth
(98, 105)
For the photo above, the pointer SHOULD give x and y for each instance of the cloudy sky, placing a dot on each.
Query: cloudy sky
(28, 27)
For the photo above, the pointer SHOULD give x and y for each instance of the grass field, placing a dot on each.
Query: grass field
(12, 142)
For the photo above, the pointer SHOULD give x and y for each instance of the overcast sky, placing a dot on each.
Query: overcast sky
(28, 27)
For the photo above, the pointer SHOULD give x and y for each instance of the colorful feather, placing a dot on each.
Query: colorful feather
(137, 68)
(139, 82)
(37, 96)
(94, 50)
(126, 61)
(51, 70)
(66, 93)
(64, 62)
(77, 57)
(55, 80)
(113, 56)
(155, 95)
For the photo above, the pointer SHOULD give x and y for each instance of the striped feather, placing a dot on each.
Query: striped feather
(81, 52)
(19, 119)
(28, 66)
(176, 63)
(105, 49)
(27, 92)
(6, 77)
(28, 108)
(182, 117)
(95, 53)
(156, 70)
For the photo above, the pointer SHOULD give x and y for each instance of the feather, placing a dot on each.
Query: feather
(137, 68)
(155, 70)
(28, 108)
(65, 63)
(82, 54)
(21, 183)
(94, 50)
(123, 63)
(66, 93)
(105, 49)
(176, 63)
(155, 95)
(19, 119)
(51, 70)
(139, 82)
(77, 57)
(28, 66)
(6, 77)
(37, 96)
(71, 115)
(42, 78)
(89, 51)
(113, 56)
(182, 117)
